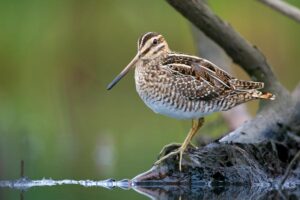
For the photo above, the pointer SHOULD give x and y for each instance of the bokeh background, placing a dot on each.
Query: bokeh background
(56, 58)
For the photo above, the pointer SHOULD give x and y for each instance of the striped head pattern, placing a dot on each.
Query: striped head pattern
(152, 45)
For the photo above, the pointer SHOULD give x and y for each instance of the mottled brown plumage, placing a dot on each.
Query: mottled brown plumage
(183, 86)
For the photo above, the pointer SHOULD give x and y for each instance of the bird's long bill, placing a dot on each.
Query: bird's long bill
(123, 73)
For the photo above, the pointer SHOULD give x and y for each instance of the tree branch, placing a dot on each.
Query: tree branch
(241, 51)
(284, 8)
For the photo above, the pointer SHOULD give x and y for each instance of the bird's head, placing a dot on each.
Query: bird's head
(150, 46)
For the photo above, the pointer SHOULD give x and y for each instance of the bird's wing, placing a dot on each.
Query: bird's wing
(197, 78)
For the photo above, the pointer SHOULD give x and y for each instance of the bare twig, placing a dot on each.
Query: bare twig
(288, 169)
(241, 51)
(284, 8)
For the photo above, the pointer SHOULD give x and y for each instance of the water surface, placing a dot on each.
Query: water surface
(25, 188)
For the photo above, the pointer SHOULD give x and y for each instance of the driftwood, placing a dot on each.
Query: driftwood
(259, 151)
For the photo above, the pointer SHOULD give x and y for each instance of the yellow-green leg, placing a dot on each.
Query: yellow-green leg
(196, 124)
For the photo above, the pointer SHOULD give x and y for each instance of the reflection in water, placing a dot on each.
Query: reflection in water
(25, 183)
(164, 192)
(226, 193)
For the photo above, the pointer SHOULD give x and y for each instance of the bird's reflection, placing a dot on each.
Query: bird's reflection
(226, 193)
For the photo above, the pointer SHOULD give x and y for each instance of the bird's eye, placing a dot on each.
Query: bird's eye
(154, 41)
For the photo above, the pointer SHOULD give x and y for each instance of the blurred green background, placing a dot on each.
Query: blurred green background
(56, 58)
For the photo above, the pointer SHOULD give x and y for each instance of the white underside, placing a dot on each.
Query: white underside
(169, 111)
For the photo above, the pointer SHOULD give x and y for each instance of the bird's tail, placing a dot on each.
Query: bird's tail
(260, 95)
(251, 87)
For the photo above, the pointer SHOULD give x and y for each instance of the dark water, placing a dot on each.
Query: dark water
(25, 188)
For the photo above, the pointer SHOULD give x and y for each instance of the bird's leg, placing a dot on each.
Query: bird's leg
(196, 124)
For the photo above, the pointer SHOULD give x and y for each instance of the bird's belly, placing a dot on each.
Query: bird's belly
(167, 108)
(172, 111)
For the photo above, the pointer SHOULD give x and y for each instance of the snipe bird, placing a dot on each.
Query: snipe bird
(183, 86)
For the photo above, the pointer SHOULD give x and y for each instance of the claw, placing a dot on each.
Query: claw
(180, 151)
(166, 156)
(168, 149)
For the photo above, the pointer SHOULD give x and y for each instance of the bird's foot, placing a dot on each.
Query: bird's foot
(168, 151)
(172, 147)
(169, 155)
